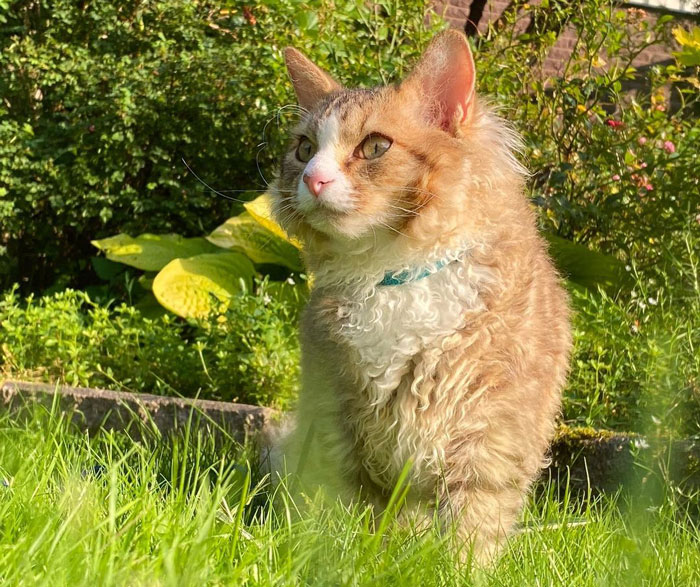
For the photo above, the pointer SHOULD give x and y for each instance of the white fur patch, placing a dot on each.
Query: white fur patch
(387, 329)
(337, 196)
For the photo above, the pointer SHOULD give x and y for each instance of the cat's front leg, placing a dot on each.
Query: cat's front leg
(482, 518)
(319, 451)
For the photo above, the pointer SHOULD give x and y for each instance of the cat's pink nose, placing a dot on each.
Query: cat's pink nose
(316, 182)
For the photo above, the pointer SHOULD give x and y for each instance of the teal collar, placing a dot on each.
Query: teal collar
(408, 275)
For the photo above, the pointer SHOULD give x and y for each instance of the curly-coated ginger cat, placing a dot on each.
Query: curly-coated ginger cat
(437, 332)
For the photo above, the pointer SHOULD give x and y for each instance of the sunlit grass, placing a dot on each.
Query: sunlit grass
(110, 510)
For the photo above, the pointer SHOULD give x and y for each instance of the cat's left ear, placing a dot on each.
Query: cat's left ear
(444, 80)
(311, 83)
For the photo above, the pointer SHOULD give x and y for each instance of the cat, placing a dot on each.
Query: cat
(437, 331)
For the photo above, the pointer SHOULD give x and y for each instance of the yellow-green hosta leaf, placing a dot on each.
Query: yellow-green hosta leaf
(151, 252)
(191, 287)
(261, 245)
(261, 210)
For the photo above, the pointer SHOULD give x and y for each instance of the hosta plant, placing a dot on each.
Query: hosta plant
(192, 276)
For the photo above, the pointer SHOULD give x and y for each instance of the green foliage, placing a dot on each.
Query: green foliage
(690, 45)
(100, 103)
(612, 149)
(186, 286)
(151, 252)
(194, 276)
(245, 233)
(102, 100)
(636, 365)
(584, 267)
(248, 354)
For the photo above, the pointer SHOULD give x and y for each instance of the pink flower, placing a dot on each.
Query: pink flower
(614, 123)
(642, 140)
(616, 177)
(669, 147)
(643, 165)
(648, 187)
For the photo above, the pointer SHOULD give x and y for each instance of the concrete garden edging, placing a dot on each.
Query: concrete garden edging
(588, 460)
(91, 409)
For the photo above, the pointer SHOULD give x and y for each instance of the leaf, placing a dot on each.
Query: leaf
(307, 20)
(146, 281)
(106, 269)
(689, 57)
(190, 287)
(261, 245)
(585, 267)
(261, 210)
(690, 43)
(687, 38)
(151, 252)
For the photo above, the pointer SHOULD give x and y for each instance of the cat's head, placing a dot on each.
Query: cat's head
(369, 162)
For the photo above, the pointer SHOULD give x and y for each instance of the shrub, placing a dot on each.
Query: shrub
(102, 100)
(249, 354)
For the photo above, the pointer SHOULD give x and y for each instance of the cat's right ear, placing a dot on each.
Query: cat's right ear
(311, 83)
(444, 80)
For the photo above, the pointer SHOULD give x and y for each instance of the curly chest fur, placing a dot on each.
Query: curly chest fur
(397, 336)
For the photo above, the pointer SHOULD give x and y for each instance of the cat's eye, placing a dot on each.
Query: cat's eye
(374, 146)
(305, 150)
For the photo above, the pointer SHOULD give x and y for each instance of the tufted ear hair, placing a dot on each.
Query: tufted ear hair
(311, 83)
(444, 80)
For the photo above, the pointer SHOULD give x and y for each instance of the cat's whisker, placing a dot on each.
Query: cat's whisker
(261, 148)
(287, 208)
(406, 212)
(295, 109)
(241, 191)
(206, 185)
(374, 233)
(397, 231)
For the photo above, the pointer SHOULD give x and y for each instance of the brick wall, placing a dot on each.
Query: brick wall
(457, 11)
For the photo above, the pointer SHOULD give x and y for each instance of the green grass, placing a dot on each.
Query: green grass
(109, 510)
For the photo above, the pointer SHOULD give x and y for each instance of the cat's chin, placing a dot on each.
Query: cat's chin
(337, 226)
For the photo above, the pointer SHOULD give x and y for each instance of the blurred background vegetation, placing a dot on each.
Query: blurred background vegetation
(100, 103)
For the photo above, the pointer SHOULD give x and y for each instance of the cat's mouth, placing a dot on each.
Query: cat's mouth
(338, 222)
(325, 218)
(326, 208)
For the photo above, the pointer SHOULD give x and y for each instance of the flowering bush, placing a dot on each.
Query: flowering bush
(613, 150)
